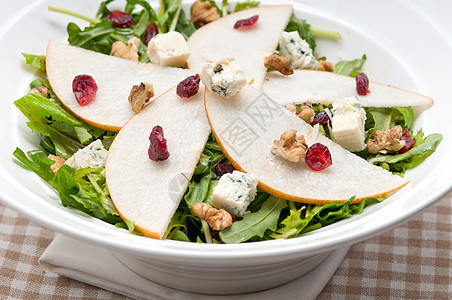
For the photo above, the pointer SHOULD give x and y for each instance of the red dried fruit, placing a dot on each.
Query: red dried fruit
(151, 31)
(322, 118)
(318, 157)
(158, 150)
(246, 22)
(224, 168)
(188, 87)
(84, 88)
(362, 84)
(121, 19)
(409, 142)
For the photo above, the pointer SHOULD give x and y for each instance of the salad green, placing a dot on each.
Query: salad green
(270, 217)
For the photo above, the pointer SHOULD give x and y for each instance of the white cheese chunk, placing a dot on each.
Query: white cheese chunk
(168, 49)
(92, 156)
(223, 77)
(348, 124)
(292, 46)
(234, 192)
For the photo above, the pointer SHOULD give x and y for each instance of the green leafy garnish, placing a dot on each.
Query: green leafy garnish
(255, 224)
(37, 61)
(350, 67)
(399, 163)
(245, 5)
(308, 217)
(61, 133)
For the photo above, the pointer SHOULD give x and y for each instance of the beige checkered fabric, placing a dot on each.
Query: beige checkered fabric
(412, 261)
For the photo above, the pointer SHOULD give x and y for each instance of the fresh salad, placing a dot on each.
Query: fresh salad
(388, 139)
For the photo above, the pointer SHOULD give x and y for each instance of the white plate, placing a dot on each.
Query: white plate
(405, 46)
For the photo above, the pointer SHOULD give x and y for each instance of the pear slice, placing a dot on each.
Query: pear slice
(246, 126)
(247, 45)
(148, 192)
(327, 87)
(114, 77)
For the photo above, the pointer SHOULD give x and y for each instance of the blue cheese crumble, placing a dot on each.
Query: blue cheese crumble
(223, 77)
(348, 122)
(92, 156)
(292, 46)
(234, 192)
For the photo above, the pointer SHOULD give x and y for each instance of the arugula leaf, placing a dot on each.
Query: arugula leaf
(350, 67)
(307, 218)
(418, 153)
(62, 134)
(255, 224)
(245, 5)
(197, 191)
(76, 189)
(37, 162)
(37, 61)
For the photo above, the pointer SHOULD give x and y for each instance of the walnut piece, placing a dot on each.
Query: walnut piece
(203, 13)
(129, 51)
(290, 146)
(59, 162)
(325, 66)
(306, 112)
(218, 219)
(140, 95)
(43, 90)
(386, 141)
(279, 63)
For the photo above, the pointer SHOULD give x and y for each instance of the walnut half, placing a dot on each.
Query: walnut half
(203, 13)
(140, 95)
(386, 141)
(325, 66)
(290, 146)
(279, 63)
(218, 219)
(130, 51)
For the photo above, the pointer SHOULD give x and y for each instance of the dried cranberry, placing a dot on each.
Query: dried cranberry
(224, 168)
(158, 150)
(246, 22)
(151, 31)
(121, 19)
(322, 118)
(409, 142)
(84, 88)
(318, 157)
(188, 87)
(362, 84)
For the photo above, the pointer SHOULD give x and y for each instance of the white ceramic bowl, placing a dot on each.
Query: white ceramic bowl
(412, 52)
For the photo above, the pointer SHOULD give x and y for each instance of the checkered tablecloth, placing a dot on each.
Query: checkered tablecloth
(412, 261)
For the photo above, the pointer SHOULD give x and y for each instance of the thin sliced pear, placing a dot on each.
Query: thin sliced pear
(248, 45)
(114, 77)
(148, 192)
(246, 126)
(327, 87)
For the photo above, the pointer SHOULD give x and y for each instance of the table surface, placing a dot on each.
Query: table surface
(411, 261)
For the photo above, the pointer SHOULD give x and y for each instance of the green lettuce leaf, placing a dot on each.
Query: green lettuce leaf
(245, 5)
(61, 133)
(307, 217)
(37, 61)
(255, 224)
(37, 162)
(417, 154)
(350, 67)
